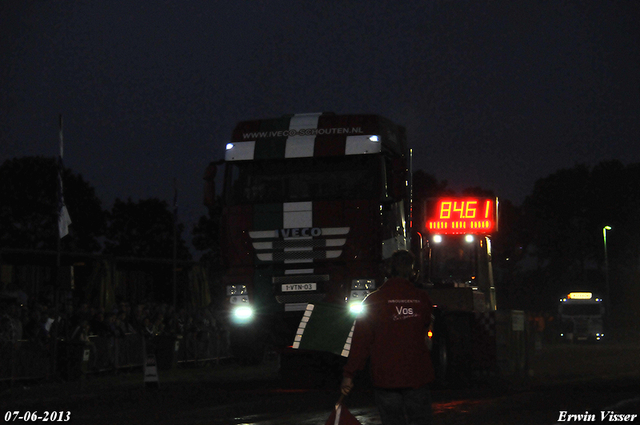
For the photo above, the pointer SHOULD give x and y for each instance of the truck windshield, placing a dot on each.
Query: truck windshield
(581, 310)
(303, 179)
(453, 261)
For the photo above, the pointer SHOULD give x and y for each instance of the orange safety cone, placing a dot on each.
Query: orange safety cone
(341, 415)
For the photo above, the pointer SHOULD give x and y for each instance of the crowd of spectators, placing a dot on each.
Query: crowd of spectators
(73, 336)
(40, 322)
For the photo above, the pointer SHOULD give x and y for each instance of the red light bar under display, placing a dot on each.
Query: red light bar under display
(462, 216)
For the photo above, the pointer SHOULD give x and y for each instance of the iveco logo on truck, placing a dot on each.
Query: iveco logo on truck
(298, 232)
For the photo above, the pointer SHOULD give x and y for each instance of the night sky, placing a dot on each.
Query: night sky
(494, 94)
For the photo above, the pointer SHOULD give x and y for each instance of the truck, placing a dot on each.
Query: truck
(581, 317)
(312, 206)
(458, 274)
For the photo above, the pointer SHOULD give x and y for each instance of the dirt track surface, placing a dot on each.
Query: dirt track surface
(231, 394)
(125, 398)
(576, 362)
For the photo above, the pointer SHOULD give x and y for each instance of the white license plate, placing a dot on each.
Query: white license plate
(295, 287)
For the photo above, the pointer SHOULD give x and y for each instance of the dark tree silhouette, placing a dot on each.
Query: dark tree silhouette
(206, 233)
(562, 225)
(28, 210)
(143, 229)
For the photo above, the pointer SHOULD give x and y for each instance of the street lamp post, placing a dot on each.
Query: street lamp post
(606, 267)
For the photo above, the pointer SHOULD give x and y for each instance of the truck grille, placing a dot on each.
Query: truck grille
(301, 278)
(300, 298)
(581, 327)
(271, 248)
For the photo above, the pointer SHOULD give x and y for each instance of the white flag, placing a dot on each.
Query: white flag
(64, 220)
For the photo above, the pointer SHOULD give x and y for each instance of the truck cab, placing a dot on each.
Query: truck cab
(581, 317)
(312, 206)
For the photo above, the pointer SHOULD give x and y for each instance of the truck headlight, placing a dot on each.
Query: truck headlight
(239, 299)
(242, 314)
(236, 290)
(369, 284)
(358, 296)
(237, 294)
(360, 288)
(356, 308)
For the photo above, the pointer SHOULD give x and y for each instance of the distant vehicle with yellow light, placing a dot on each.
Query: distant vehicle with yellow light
(581, 317)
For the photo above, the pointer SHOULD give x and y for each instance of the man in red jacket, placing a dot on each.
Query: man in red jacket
(392, 331)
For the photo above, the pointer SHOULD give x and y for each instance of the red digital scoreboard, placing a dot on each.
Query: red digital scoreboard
(468, 215)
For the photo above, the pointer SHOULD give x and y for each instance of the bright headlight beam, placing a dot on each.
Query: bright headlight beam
(243, 313)
(356, 308)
